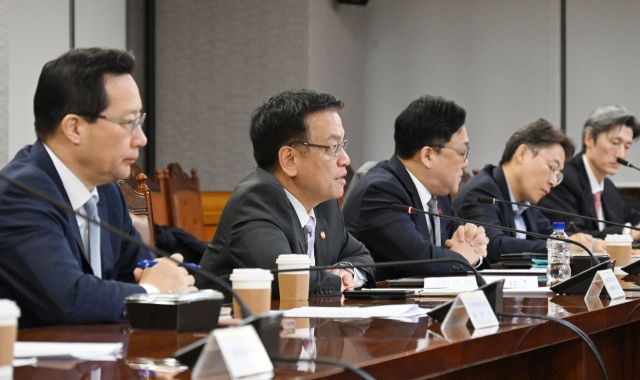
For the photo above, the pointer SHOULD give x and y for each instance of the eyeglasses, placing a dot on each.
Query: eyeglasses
(463, 153)
(131, 123)
(332, 150)
(553, 168)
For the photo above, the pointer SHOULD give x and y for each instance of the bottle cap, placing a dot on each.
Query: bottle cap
(558, 225)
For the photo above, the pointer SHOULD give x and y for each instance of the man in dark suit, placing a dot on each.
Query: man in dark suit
(530, 167)
(430, 155)
(55, 266)
(607, 135)
(288, 204)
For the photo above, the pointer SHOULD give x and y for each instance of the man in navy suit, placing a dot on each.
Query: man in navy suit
(607, 135)
(431, 148)
(55, 266)
(530, 167)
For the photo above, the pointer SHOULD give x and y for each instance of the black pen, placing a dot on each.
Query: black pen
(574, 228)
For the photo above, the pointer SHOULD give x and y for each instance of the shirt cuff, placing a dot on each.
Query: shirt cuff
(150, 289)
(479, 263)
(359, 277)
(626, 230)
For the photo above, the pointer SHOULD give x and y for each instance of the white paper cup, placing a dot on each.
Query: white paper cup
(293, 286)
(254, 286)
(619, 248)
(9, 314)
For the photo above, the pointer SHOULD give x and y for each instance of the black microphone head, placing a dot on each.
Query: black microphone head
(623, 162)
(401, 208)
(486, 200)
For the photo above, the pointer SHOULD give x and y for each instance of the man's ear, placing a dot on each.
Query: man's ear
(70, 128)
(426, 156)
(589, 141)
(289, 159)
(520, 152)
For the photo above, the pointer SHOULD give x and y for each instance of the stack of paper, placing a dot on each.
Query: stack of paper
(386, 311)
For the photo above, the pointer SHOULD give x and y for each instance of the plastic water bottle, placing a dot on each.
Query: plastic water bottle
(558, 268)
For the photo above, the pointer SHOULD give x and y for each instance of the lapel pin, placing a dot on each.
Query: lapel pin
(322, 235)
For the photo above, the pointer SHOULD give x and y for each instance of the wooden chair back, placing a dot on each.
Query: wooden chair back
(185, 200)
(159, 195)
(140, 208)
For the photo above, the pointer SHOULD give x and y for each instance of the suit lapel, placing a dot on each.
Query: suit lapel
(501, 180)
(44, 161)
(106, 258)
(587, 194)
(323, 255)
(403, 175)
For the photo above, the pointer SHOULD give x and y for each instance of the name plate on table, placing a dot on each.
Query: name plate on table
(236, 350)
(607, 279)
(471, 305)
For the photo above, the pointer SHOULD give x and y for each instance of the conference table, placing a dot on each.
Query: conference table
(521, 348)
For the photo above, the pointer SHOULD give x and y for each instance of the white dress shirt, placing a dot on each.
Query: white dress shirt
(517, 212)
(596, 187)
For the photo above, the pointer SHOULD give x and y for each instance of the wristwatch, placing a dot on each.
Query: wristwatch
(350, 268)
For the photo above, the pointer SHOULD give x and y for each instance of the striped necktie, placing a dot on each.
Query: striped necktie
(94, 237)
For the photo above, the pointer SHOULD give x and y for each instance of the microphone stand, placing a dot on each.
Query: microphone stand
(490, 200)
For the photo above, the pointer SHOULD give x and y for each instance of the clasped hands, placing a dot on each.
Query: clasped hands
(470, 241)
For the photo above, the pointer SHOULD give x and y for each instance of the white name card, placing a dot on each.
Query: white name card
(471, 305)
(607, 279)
(242, 352)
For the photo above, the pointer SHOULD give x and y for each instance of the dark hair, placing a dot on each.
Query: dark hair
(604, 118)
(282, 121)
(74, 83)
(537, 135)
(426, 121)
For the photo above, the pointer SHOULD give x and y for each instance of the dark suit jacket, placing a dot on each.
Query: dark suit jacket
(259, 223)
(574, 195)
(42, 262)
(491, 182)
(392, 236)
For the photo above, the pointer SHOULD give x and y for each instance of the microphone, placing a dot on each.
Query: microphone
(412, 210)
(626, 163)
(490, 200)
(107, 227)
(578, 284)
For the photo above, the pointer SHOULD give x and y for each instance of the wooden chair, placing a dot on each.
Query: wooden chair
(185, 200)
(159, 194)
(140, 208)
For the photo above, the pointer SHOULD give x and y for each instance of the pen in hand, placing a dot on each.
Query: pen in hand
(149, 263)
(574, 228)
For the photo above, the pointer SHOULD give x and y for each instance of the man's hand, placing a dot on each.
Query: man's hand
(599, 246)
(167, 276)
(581, 238)
(635, 234)
(348, 283)
(470, 241)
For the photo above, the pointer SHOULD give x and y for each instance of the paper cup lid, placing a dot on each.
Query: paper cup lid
(618, 239)
(9, 309)
(243, 274)
(294, 259)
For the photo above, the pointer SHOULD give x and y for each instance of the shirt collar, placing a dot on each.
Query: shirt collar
(302, 213)
(76, 190)
(423, 193)
(595, 186)
(517, 209)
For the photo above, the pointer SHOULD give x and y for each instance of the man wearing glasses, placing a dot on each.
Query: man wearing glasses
(57, 267)
(607, 135)
(530, 167)
(288, 204)
(431, 148)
